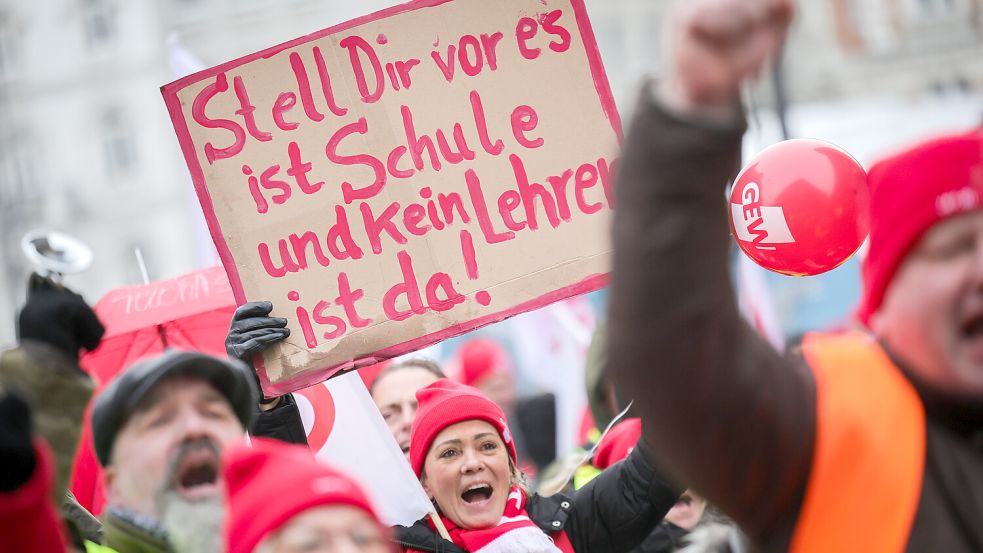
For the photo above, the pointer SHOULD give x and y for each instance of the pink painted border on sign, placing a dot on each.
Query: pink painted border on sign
(169, 92)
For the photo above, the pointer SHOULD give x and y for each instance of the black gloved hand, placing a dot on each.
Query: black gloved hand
(58, 317)
(252, 331)
(16, 449)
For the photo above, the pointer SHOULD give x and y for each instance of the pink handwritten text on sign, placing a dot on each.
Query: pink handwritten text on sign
(407, 176)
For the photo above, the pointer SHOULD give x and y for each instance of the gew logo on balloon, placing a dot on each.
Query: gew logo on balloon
(759, 224)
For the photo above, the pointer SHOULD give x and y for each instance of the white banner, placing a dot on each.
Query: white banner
(345, 428)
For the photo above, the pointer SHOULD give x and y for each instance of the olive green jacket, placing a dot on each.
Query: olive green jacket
(129, 534)
(58, 391)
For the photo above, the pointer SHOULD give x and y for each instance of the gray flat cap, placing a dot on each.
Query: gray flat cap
(116, 402)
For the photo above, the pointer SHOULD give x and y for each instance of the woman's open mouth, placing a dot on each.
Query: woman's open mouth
(477, 494)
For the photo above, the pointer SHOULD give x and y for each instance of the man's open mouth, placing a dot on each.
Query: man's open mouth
(196, 473)
(477, 493)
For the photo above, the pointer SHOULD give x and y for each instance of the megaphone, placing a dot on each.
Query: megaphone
(54, 254)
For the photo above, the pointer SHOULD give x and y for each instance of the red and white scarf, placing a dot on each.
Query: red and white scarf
(514, 533)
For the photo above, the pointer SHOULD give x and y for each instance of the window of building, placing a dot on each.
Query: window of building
(18, 169)
(117, 142)
(937, 8)
(99, 21)
(9, 43)
(963, 84)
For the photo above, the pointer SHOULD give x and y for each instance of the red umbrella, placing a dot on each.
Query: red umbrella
(191, 311)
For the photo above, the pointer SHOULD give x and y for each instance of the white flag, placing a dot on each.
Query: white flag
(345, 429)
(551, 347)
(182, 62)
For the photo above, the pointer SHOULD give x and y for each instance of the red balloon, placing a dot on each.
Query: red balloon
(800, 207)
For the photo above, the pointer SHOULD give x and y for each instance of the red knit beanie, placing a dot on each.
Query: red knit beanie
(270, 482)
(909, 193)
(618, 443)
(444, 403)
(479, 359)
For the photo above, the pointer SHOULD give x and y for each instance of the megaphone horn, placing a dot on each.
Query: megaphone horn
(54, 253)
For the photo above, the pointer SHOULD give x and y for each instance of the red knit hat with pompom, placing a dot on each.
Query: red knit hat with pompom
(444, 403)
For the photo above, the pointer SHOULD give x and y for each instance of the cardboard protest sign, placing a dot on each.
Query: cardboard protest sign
(407, 176)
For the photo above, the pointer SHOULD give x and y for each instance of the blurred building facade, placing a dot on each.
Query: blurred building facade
(86, 146)
(84, 143)
(839, 48)
(886, 47)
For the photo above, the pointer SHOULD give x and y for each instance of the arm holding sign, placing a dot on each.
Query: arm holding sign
(724, 413)
(251, 332)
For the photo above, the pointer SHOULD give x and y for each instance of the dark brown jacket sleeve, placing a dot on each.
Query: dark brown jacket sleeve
(724, 412)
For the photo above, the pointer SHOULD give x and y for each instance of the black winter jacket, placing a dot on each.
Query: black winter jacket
(613, 513)
(282, 423)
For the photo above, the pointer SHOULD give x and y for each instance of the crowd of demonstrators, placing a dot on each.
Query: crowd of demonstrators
(158, 429)
(163, 426)
(869, 441)
(465, 440)
(464, 454)
(865, 440)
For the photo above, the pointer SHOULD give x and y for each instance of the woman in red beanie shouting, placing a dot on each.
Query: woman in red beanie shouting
(464, 455)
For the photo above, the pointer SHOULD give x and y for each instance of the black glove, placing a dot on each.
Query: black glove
(59, 317)
(252, 331)
(16, 450)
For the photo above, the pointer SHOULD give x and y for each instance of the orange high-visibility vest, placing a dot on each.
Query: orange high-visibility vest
(869, 457)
